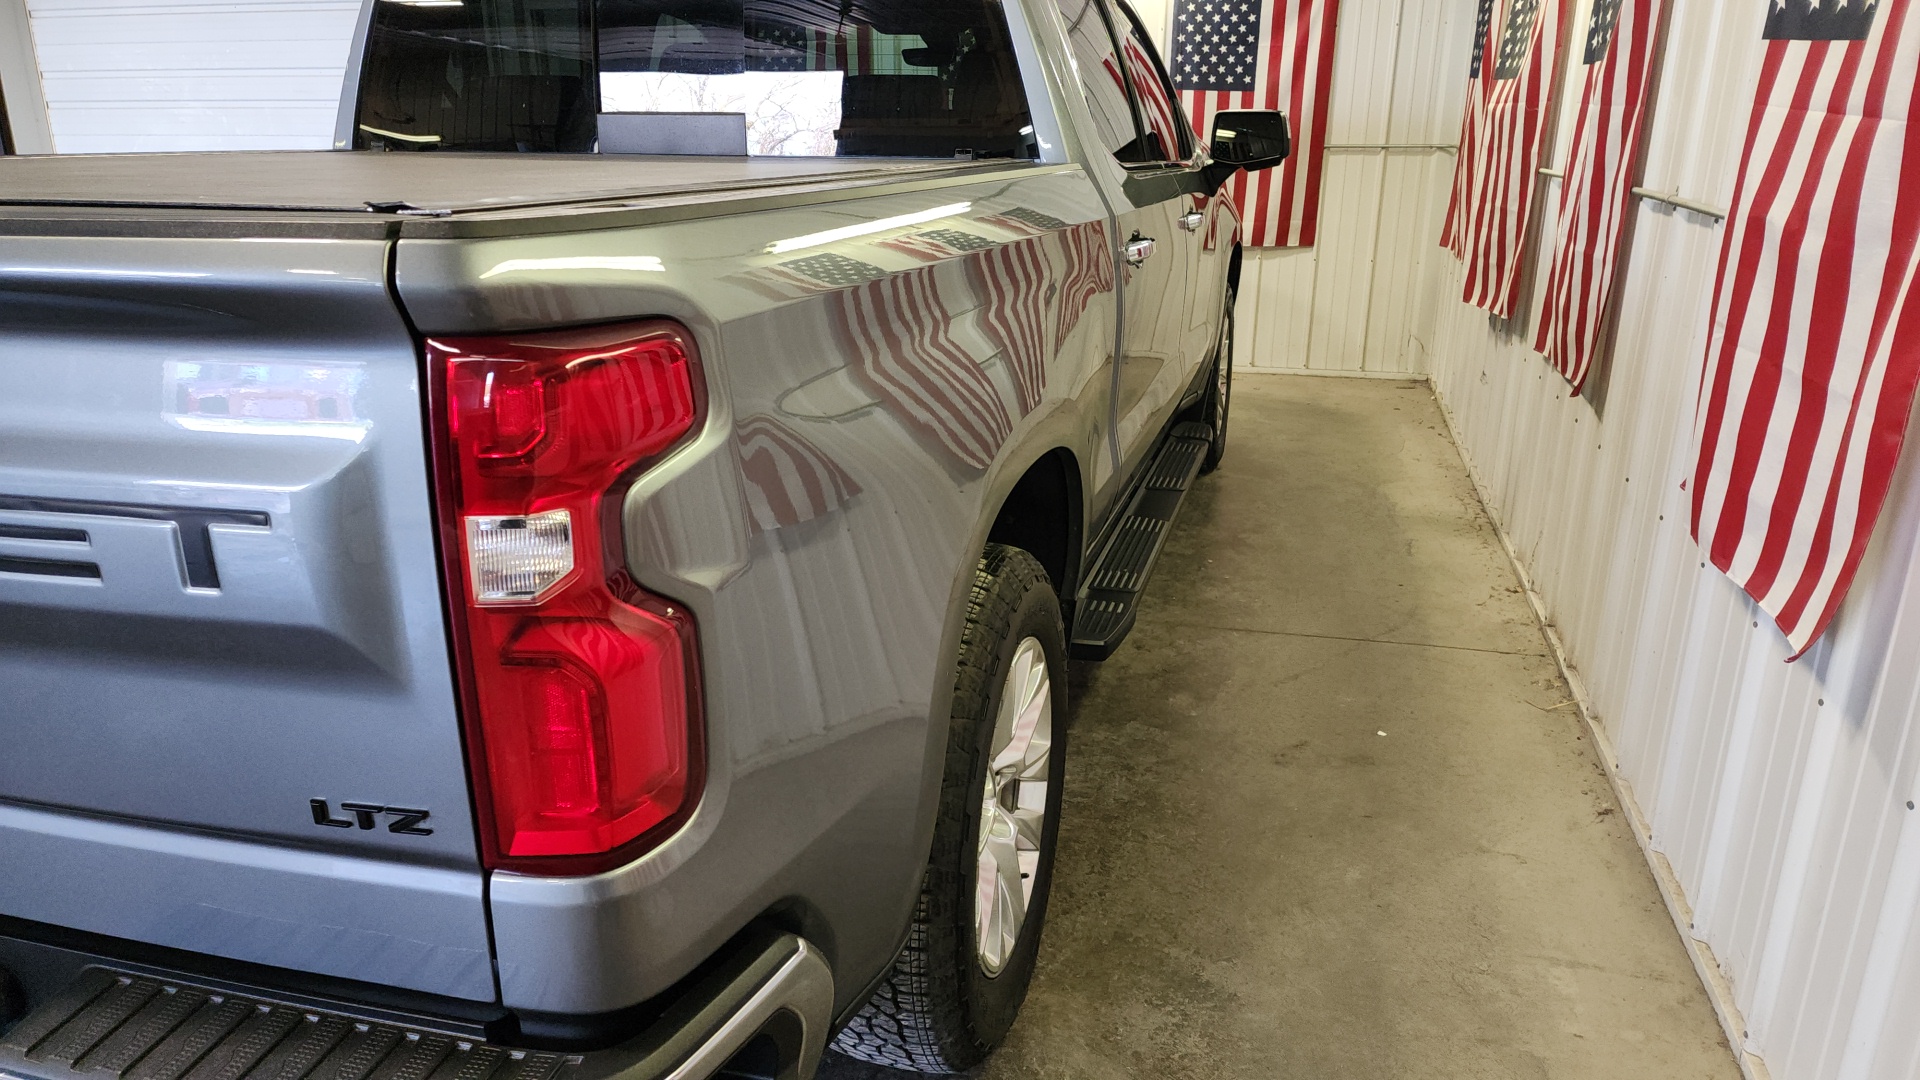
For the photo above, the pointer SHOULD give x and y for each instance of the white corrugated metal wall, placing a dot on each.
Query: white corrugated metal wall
(1779, 794)
(131, 75)
(1365, 298)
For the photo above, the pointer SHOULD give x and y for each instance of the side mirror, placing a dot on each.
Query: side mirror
(1251, 139)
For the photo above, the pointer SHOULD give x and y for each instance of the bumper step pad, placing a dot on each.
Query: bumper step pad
(113, 1025)
(1106, 607)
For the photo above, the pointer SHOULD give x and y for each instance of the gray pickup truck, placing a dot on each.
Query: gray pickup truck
(577, 583)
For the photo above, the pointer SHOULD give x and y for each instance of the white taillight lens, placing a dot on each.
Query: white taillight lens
(519, 559)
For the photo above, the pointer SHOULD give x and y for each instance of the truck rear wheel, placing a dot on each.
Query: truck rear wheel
(956, 987)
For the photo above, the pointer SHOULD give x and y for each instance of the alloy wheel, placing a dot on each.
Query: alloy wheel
(1013, 806)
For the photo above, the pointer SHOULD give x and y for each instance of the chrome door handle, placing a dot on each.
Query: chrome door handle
(1192, 220)
(1139, 249)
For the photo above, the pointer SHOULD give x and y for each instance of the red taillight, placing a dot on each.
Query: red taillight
(581, 690)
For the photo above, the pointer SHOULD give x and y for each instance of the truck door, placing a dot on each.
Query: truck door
(1203, 250)
(1136, 119)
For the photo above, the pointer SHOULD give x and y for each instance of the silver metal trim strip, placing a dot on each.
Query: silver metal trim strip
(1675, 200)
(803, 988)
(343, 124)
(1690, 205)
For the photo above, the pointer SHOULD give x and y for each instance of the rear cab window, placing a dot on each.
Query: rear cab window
(890, 78)
(512, 75)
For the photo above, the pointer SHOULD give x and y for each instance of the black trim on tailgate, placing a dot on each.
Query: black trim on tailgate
(46, 957)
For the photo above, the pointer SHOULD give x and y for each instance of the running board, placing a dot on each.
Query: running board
(1110, 597)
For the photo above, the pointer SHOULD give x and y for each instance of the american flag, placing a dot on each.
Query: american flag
(1596, 196)
(1262, 54)
(809, 276)
(1479, 79)
(1015, 284)
(852, 47)
(1814, 351)
(789, 479)
(1495, 175)
(1024, 220)
(898, 331)
(936, 245)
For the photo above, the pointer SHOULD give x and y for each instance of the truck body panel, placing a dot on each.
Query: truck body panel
(871, 398)
(372, 921)
(220, 601)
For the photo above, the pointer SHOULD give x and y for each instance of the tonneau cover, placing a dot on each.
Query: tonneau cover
(339, 181)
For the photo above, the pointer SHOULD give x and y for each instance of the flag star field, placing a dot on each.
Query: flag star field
(1217, 45)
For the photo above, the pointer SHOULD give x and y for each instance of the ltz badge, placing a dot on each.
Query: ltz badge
(367, 816)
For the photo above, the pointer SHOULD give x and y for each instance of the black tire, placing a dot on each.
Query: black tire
(939, 1012)
(1219, 395)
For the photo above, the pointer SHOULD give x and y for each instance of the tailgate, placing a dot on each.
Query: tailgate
(225, 701)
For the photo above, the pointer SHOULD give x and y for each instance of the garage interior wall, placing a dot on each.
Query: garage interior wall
(1365, 299)
(137, 75)
(26, 114)
(1779, 794)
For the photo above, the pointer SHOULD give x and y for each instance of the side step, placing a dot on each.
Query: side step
(1110, 596)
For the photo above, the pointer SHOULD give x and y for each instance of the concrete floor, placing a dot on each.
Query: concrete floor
(1328, 812)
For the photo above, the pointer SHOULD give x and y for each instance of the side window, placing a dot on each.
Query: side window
(1160, 113)
(1100, 77)
(479, 75)
(1132, 102)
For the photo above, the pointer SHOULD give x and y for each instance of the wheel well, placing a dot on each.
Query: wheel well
(1233, 269)
(1042, 517)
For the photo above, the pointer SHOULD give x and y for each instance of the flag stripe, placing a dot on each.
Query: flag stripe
(1814, 354)
(1494, 183)
(1596, 192)
(789, 479)
(1015, 282)
(898, 331)
(1088, 272)
(1831, 285)
(1319, 91)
